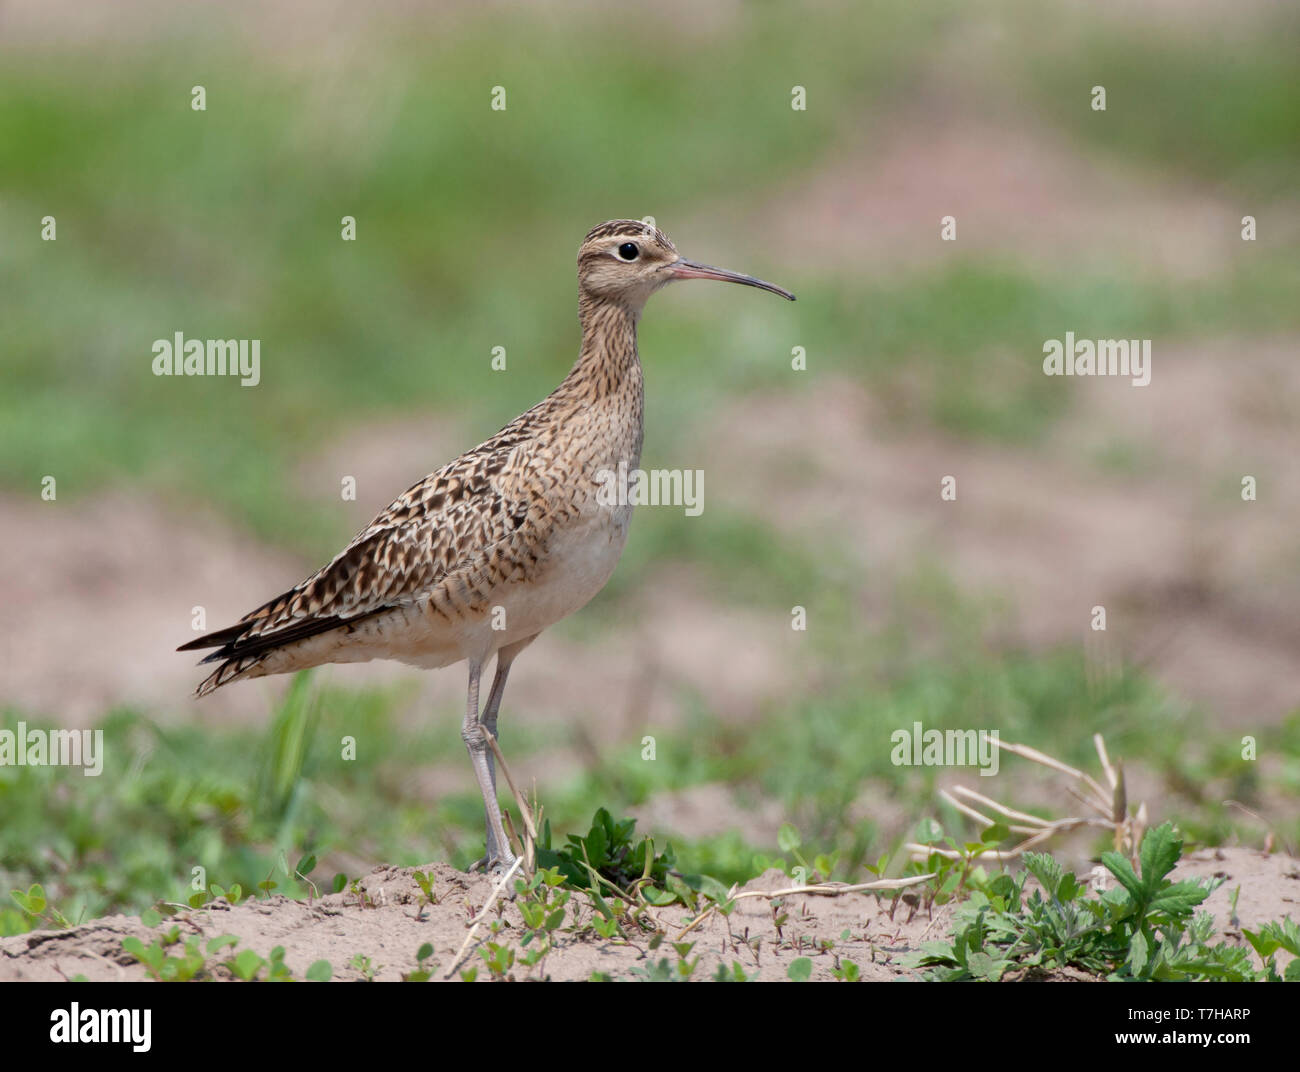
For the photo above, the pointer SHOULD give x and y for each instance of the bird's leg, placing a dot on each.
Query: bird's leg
(505, 657)
(499, 854)
(489, 721)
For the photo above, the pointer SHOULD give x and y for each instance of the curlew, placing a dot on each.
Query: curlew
(480, 556)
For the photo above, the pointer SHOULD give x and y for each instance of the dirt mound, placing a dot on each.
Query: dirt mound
(379, 933)
(388, 925)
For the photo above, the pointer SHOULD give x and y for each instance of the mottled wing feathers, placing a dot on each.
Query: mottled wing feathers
(449, 523)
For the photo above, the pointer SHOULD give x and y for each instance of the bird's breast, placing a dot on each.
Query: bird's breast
(579, 559)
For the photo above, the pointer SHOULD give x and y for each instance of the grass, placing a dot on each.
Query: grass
(1144, 927)
(1222, 110)
(235, 802)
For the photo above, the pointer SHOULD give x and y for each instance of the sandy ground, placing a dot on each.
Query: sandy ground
(1014, 189)
(127, 572)
(337, 928)
(392, 926)
(1198, 585)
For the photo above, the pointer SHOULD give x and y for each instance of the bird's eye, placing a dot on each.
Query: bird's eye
(629, 251)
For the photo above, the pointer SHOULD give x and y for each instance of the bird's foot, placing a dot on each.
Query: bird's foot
(496, 867)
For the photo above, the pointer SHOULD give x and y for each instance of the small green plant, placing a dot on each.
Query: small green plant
(276, 969)
(499, 959)
(217, 893)
(660, 971)
(955, 870)
(364, 900)
(1268, 940)
(685, 964)
(790, 841)
(667, 971)
(846, 971)
(304, 868)
(165, 963)
(543, 905)
(424, 880)
(606, 928)
(321, 971)
(609, 850)
(609, 859)
(216, 945)
(365, 966)
(1144, 928)
(800, 970)
(422, 974)
(247, 965)
(164, 967)
(35, 907)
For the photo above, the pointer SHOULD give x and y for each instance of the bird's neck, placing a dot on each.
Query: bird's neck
(607, 365)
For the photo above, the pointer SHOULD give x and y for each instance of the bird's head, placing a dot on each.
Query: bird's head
(625, 261)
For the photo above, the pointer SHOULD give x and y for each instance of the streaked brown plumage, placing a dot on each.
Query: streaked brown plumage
(509, 534)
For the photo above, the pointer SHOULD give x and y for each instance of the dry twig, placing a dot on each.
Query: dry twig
(1110, 804)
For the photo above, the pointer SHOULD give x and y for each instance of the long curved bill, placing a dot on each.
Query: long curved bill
(684, 269)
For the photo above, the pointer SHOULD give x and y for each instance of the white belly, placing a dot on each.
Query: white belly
(579, 561)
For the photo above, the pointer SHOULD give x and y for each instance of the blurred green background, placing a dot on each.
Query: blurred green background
(924, 359)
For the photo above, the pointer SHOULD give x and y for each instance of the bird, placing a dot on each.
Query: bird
(479, 557)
